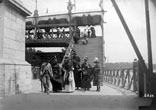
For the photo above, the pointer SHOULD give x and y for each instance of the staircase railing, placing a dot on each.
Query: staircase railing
(68, 51)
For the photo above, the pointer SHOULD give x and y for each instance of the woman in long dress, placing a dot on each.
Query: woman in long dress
(69, 76)
(57, 78)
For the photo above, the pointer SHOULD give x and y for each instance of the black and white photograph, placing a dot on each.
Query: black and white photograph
(77, 55)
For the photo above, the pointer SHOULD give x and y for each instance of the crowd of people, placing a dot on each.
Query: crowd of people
(71, 75)
(54, 33)
(87, 33)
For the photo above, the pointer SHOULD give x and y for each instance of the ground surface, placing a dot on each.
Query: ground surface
(110, 98)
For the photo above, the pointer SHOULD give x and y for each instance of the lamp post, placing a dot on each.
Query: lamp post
(69, 8)
(35, 18)
(102, 28)
(35, 11)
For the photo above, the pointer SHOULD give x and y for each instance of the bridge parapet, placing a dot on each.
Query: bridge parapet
(48, 42)
(69, 50)
(124, 78)
(133, 79)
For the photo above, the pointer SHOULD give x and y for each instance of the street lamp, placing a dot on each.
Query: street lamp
(35, 18)
(69, 8)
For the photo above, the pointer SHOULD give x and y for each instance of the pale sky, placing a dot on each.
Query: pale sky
(117, 47)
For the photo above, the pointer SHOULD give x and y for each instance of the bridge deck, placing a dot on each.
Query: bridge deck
(110, 98)
(58, 42)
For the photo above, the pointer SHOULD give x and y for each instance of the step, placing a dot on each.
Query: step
(92, 49)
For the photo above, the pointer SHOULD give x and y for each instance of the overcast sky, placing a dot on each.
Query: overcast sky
(118, 47)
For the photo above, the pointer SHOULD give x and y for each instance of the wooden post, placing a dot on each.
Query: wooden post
(122, 78)
(149, 47)
(135, 64)
(103, 40)
(153, 104)
(153, 84)
(140, 81)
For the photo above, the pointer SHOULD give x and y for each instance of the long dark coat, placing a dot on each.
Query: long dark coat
(85, 76)
(97, 75)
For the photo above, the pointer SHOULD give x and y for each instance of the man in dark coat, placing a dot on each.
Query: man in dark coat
(77, 73)
(96, 73)
(86, 84)
(57, 77)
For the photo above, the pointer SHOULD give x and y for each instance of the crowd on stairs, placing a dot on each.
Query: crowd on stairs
(88, 33)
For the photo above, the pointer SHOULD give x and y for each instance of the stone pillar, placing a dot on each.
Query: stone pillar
(15, 72)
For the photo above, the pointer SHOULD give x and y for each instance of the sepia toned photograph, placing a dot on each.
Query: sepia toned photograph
(77, 55)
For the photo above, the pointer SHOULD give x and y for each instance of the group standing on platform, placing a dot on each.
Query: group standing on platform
(55, 33)
(71, 75)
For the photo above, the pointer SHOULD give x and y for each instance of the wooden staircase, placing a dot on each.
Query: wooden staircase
(93, 49)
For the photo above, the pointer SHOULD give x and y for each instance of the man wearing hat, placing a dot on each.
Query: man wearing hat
(96, 72)
(46, 73)
(77, 70)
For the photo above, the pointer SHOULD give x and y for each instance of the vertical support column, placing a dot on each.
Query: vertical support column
(103, 39)
(103, 47)
(140, 81)
(69, 8)
(15, 72)
(149, 47)
(35, 20)
(135, 64)
(122, 78)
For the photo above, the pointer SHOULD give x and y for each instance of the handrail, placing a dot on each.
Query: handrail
(68, 51)
(44, 40)
(123, 78)
(131, 79)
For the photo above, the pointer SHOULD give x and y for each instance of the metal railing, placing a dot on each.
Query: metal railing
(123, 78)
(133, 79)
(68, 51)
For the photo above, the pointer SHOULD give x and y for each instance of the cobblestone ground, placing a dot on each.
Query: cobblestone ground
(110, 98)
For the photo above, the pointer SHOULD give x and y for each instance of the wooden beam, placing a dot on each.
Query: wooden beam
(48, 25)
(149, 47)
(143, 65)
